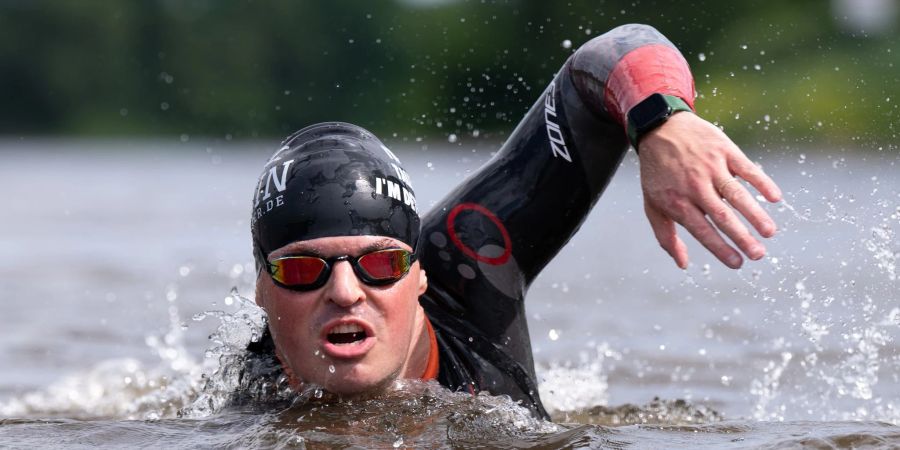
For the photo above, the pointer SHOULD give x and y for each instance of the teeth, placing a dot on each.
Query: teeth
(347, 328)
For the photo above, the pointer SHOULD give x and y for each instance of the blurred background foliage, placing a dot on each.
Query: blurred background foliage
(772, 73)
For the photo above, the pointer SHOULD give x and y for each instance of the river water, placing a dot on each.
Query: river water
(121, 327)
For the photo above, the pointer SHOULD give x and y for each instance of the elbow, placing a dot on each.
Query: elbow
(597, 60)
(635, 30)
(599, 55)
(592, 63)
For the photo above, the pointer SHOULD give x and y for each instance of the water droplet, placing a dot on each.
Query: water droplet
(451, 139)
(566, 44)
(554, 335)
(331, 368)
(701, 57)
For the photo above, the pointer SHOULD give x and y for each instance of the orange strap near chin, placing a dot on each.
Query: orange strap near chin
(431, 370)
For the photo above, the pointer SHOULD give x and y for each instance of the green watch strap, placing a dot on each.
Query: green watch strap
(674, 103)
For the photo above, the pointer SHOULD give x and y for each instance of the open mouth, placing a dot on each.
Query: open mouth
(344, 334)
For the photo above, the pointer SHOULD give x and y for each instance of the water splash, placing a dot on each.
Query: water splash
(121, 388)
(766, 389)
(128, 389)
(230, 375)
(846, 320)
(880, 245)
(570, 387)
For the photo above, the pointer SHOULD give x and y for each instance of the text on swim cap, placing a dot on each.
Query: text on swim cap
(395, 191)
(264, 201)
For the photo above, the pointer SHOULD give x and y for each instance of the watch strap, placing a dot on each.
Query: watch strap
(674, 104)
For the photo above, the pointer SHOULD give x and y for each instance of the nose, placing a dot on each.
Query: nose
(343, 289)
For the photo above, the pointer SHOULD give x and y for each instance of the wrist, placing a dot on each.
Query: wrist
(650, 113)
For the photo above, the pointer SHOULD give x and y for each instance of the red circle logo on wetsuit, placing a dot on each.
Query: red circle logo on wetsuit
(468, 251)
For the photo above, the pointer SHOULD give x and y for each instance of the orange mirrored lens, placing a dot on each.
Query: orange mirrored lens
(297, 270)
(385, 264)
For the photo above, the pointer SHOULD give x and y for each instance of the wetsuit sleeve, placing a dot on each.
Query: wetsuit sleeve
(617, 70)
(487, 240)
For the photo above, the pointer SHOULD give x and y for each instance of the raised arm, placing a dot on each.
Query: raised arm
(688, 166)
(487, 240)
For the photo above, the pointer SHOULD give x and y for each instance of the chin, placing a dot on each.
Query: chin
(349, 378)
(352, 383)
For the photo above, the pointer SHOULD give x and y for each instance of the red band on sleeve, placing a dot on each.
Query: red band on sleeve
(644, 71)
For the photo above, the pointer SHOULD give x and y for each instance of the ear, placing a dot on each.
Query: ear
(423, 281)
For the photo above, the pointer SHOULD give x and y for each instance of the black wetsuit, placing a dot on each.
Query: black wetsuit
(484, 244)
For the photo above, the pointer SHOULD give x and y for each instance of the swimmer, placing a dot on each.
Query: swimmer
(360, 292)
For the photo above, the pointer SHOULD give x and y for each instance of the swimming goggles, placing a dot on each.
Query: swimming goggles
(308, 272)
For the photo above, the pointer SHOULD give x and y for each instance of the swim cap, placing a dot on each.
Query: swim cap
(332, 179)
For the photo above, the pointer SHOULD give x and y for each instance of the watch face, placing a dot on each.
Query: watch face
(649, 113)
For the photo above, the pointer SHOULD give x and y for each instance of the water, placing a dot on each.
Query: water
(117, 267)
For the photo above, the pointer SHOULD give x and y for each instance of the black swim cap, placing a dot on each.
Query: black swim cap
(332, 179)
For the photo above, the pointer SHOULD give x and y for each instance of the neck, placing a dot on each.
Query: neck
(417, 359)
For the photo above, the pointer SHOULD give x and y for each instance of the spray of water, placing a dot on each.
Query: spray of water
(121, 388)
(849, 322)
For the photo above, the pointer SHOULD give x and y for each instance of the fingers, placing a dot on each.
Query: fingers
(744, 168)
(708, 215)
(694, 220)
(738, 197)
(664, 230)
(728, 222)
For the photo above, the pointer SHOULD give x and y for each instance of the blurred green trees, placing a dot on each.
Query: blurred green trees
(770, 72)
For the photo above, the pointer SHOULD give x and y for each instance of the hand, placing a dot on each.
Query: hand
(688, 170)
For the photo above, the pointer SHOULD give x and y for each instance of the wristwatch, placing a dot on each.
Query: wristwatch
(652, 112)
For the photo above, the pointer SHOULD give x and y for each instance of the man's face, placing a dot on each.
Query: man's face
(306, 325)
